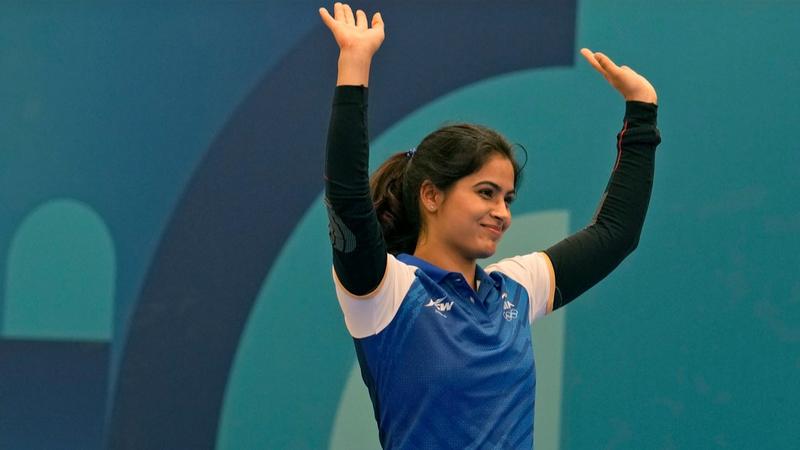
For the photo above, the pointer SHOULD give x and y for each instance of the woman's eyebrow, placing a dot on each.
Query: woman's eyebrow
(495, 186)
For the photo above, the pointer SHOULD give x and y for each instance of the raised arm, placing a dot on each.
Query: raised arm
(586, 257)
(359, 252)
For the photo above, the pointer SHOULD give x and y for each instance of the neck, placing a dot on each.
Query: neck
(447, 260)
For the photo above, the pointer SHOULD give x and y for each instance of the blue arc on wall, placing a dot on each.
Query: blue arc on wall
(260, 176)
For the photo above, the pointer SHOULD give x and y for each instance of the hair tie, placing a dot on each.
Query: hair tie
(410, 153)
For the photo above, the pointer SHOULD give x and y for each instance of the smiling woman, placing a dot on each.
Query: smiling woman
(443, 344)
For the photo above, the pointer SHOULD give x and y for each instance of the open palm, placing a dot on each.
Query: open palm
(627, 81)
(352, 32)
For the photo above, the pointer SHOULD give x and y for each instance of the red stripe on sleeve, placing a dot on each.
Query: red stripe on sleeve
(619, 143)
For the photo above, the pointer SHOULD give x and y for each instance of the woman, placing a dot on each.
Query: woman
(444, 345)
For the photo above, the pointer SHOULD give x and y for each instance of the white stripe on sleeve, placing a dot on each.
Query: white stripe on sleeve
(535, 273)
(366, 315)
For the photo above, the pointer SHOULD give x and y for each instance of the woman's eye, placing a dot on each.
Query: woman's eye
(485, 193)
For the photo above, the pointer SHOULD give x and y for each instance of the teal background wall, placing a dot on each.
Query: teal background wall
(109, 109)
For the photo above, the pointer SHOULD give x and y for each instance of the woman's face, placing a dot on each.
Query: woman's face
(471, 217)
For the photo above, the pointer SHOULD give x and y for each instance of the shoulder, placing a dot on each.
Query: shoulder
(523, 266)
(535, 273)
(366, 315)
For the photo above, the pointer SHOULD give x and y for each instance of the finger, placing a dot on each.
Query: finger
(338, 12)
(377, 20)
(606, 62)
(348, 15)
(589, 56)
(326, 17)
(361, 19)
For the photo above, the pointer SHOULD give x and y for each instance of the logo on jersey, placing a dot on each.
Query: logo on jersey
(440, 306)
(509, 311)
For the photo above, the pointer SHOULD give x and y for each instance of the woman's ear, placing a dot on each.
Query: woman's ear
(430, 196)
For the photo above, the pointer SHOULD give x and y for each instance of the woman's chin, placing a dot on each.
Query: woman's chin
(487, 252)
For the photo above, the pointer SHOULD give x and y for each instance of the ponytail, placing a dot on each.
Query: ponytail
(395, 208)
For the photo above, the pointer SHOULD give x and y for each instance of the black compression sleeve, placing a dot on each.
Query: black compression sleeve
(359, 252)
(583, 259)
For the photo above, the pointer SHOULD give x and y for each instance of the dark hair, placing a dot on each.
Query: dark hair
(443, 157)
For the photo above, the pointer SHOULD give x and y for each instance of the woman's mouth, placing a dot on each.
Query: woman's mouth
(494, 230)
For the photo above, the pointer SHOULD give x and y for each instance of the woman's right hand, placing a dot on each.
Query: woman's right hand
(353, 34)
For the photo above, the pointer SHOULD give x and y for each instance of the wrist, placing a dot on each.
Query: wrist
(642, 99)
(353, 69)
(642, 96)
(355, 58)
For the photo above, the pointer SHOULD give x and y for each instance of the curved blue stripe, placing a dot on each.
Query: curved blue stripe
(260, 176)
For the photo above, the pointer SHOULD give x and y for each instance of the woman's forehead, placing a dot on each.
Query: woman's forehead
(497, 169)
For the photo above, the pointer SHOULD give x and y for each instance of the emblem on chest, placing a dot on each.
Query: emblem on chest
(440, 306)
(509, 311)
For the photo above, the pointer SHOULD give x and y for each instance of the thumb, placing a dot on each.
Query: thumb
(377, 20)
(326, 18)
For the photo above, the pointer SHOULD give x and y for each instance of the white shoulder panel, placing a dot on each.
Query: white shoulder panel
(367, 315)
(535, 273)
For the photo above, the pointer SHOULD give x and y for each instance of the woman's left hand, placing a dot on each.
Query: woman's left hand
(630, 84)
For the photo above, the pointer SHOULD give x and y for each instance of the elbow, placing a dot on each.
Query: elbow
(632, 242)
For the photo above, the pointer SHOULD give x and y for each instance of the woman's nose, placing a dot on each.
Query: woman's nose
(502, 212)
